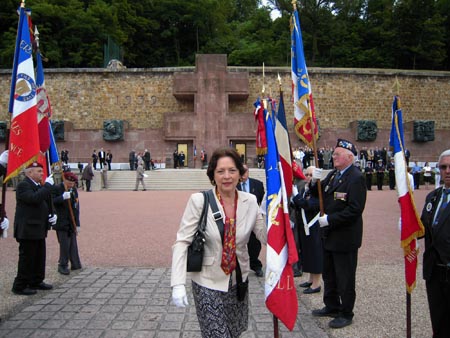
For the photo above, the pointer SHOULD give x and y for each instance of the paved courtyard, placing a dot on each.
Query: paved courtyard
(123, 290)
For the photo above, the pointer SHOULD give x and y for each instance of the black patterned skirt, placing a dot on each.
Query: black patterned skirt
(219, 313)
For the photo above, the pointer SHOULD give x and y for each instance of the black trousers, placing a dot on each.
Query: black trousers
(254, 248)
(438, 292)
(369, 182)
(31, 266)
(88, 185)
(339, 274)
(68, 249)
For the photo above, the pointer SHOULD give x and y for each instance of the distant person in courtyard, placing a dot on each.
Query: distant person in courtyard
(87, 176)
(436, 258)
(140, 175)
(219, 312)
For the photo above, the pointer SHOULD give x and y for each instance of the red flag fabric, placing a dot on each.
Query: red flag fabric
(261, 142)
(43, 106)
(24, 136)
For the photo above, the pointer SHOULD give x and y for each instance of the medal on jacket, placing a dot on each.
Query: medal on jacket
(429, 206)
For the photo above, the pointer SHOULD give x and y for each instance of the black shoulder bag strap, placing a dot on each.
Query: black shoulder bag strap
(219, 221)
(202, 222)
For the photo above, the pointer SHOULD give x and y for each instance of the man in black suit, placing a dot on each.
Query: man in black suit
(436, 258)
(31, 224)
(255, 187)
(102, 158)
(344, 198)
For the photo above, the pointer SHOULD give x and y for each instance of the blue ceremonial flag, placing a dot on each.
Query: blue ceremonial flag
(302, 93)
(53, 154)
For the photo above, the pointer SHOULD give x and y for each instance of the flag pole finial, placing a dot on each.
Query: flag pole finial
(294, 4)
(396, 86)
(36, 36)
(264, 81)
(279, 82)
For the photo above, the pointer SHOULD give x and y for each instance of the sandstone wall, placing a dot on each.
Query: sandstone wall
(86, 97)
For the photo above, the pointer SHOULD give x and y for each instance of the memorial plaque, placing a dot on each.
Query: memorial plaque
(58, 130)
(3, 130)
(113, 130)
(423, 131)
(366, 130)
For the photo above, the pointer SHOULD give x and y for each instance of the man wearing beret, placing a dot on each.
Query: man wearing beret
(65, 199)
(344, 198)
(31, 224)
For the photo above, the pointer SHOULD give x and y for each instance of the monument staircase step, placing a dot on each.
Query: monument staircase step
(168, 179)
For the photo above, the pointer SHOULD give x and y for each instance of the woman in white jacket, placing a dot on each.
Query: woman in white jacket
(219, 312)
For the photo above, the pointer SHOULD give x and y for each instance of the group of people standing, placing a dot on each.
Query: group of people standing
(330, 240)
(145, 157)
(104, 159)
(42, 205)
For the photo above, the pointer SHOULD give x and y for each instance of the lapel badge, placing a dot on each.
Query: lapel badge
(429, 206)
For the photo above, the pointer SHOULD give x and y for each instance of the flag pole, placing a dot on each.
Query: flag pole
(264, 102)
(13, 86)
(396, 85)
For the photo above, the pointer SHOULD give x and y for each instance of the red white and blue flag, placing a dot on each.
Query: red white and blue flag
(411, 225)
(24, 135)
(280, 290)
(301, 88)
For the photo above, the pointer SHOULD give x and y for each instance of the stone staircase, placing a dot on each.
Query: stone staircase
(168, 179)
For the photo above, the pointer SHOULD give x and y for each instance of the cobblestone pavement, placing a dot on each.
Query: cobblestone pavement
(123, 290)
(128, 302)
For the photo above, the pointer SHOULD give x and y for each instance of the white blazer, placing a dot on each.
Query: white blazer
(212, 276)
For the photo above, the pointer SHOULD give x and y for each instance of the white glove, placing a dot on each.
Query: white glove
(78, 230)
(179, 297)
(317, 174)
(5, 224)
(52, 219)
(323, 221)
(66, 195)
(4, 157)
(294, 190)
(50, 180)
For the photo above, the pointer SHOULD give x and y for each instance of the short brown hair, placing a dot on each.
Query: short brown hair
(224, 152)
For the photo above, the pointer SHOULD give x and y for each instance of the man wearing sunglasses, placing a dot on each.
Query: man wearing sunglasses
(436, 258)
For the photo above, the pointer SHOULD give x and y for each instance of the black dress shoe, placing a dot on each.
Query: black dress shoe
(339, 322)
(63, 270)
(42, 286)
(75, 268)
(24, 292)
(309, 290)
(305, 285)
(298, 273)
(325, 312)
(259, 273)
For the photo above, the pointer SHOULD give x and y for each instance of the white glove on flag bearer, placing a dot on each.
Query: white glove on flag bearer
(317, 174)
(52, 219)
(323, 220)
(66, 195)
(179, 297)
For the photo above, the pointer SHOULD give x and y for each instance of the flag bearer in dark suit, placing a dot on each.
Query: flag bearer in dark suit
(65, 198)
(344, 198)
(436, 258)
(31, 224)
(255, 187)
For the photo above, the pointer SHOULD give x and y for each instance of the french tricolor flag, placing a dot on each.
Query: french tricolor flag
(24, 135)
(411, 226)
